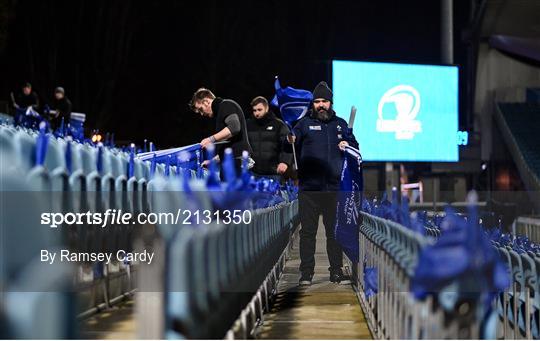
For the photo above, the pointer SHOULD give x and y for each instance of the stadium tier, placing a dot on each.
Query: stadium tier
(210, 275)
(437, 275)
(523, 119)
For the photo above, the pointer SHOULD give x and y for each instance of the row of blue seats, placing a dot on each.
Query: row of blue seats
(519, 305)
(81, 189)
(226, 264)
(33, 293)
(19, 145)
(391, 244)
(215, 270)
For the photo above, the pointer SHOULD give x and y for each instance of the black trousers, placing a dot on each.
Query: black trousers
(313, 204)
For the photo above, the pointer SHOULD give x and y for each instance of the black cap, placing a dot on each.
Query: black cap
(323, 91)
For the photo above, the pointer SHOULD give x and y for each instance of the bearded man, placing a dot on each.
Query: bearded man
(320, 138)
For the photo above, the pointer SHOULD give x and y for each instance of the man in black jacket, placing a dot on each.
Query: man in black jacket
(266, 135)
(230, 123)
(26, 98)
(320, 138)
(61, 106)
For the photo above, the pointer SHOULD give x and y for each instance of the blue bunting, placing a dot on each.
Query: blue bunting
(212, 182)
(99, 161)
(292, 103)
(370, 281)
(462, 254)
(68, 156)
(153, 166)
(349, 204)
(228, 169)
(42, 143)
(131, 163)
(168, 166)
(61, 130)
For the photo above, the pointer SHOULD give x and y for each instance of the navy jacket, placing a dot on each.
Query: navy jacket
(319, 158)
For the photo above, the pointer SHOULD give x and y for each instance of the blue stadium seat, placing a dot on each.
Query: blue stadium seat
(24, 150)
(178, 309)
(7, 152)
(55, 156)
(530, 278)
(118, 165)
(88, 157)
(76, 158)
(518, 296)
(31, 294)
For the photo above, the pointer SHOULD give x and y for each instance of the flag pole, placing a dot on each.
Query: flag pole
(352, 116)
(294, 156)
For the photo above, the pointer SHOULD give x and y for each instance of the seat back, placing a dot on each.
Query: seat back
(25, 150)
(55, 157)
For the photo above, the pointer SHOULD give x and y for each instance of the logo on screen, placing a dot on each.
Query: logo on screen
(397, 111)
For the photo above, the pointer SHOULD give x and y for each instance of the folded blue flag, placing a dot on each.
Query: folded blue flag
(292, 103)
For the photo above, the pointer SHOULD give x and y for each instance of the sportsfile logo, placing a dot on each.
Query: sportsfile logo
(406, 101)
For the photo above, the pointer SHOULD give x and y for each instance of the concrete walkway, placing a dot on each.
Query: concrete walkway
(116, 323)
(322, 311)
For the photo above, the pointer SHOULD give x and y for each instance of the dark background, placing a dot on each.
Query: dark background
(132, 66)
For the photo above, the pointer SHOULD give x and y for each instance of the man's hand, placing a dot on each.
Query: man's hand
(16, 106)
(206, 163)
(343, 144)
(282, 168)
(291, 138)
(207, 141)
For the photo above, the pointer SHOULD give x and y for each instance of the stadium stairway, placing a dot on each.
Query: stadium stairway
(323, 311)
(519, 124)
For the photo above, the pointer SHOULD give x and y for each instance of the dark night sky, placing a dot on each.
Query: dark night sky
(132, 65)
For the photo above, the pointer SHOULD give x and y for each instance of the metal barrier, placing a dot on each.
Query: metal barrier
(529, 227)
(392, 251)
(519, 306)
(217, 280)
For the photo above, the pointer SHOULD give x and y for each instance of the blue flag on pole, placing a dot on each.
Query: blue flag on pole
(349, 204)
(292, 103)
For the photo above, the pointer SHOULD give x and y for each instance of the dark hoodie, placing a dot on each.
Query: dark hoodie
(266, 136)
(319, 158)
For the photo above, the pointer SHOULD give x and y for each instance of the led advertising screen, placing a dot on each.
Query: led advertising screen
(405, 112)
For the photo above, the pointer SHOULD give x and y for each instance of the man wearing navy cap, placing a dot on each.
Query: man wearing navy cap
(320, 138)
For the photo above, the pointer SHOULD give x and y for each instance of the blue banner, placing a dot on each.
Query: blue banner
(349, 204)
(293, 103)
(182, 156)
